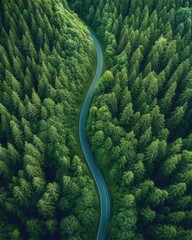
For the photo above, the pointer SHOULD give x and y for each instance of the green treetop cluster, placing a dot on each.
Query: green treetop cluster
(46, 60)
(140, 120)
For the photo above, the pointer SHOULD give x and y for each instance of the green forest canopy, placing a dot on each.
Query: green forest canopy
(140, 120)
(139, 123)
(46, 62)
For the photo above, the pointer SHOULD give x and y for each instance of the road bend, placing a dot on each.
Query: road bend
(104, 197)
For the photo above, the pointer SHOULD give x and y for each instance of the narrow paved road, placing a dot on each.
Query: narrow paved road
(105, 203)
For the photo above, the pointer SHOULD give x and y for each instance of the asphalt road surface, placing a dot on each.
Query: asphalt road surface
(105, 203)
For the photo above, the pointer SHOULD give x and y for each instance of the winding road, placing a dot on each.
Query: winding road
(105, 203)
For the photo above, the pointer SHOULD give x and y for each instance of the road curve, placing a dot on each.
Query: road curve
(105, 203)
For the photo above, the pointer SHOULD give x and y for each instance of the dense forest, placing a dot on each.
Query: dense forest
(46, 62)
(140, 120)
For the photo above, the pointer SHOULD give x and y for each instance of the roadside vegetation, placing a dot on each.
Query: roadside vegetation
(140, 119)
(46, 60)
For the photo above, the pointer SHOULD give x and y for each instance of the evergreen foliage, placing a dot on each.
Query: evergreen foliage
(46, 60)
(140, 120)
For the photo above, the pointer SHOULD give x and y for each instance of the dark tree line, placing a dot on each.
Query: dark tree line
(46, 60)
(140, 120)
